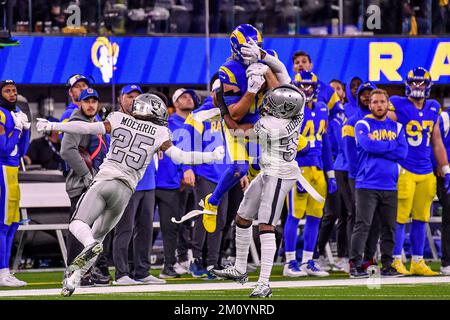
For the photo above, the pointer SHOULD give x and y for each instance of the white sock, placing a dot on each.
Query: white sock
(82, 232)
(399, 257)
(243, 239)
(4, 272)
(290, 255)
(268, 249)
(417, 258)
(307, 255)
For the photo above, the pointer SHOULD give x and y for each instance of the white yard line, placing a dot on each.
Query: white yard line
(227, 286)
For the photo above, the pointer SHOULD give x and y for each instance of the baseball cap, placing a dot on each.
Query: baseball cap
(88, 93)
(4, 83)
(76, 78)
(130, 88)
(182, 91)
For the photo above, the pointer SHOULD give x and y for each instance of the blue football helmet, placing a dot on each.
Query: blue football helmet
(242, 34)
(418, 83)
(304, 80)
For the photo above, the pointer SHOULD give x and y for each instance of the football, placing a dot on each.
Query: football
(86, 157)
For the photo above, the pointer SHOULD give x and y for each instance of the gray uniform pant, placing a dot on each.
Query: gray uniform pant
(101, 207)
(213, 240)
(264, 199)
(136, 223)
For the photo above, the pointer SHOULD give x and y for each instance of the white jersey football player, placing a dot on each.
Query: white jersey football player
(278, 133)
(135, 138)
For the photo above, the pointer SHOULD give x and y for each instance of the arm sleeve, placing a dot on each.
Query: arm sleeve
(24, 142)
(70, 153)
(401, 151)
(179, 156)
(373, 146)
(349, 146)
(326, 153)
(80, 127)
(7, 144)
(278, 68)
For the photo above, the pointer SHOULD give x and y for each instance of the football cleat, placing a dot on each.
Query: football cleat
(312, 269)
(88, 255)
(400, 267)
(72, 279)
(262, 290)
(421, 269)
(292, 269)
(230, 273)
(209, 214)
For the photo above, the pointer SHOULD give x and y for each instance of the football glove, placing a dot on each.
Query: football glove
(251, 52)
(255, 84)
(43, 125)
(256, 69)
(219, 153)
(332, 185)
(18, 123)
(25, 122)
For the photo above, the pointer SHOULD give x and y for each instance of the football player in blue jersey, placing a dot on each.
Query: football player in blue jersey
(312, 163)
(243, 80)
(14, 142)
(417, 183)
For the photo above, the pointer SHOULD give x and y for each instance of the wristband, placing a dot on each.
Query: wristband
(330, 174)
(446, 169)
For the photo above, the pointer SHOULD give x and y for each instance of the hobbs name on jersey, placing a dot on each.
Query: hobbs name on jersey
(143, 127)
(294, 124)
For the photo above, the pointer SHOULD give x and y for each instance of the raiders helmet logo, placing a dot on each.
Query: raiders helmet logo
(289, 106)
(156, 104)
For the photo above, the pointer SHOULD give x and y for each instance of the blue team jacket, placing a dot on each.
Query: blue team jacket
(377, 165)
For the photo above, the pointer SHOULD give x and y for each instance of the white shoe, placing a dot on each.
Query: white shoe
(181, 268)
(342, 265)
(19, 282)
(125, 281)
(312, 269)
(292, 269)
(445, 271)
(11, 281)
(324, 263)
(151, 280)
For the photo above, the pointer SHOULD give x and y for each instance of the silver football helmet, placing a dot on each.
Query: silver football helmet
(285, 101)
(150, 107)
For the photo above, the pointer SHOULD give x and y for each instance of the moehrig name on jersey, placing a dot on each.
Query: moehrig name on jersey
(143, 127)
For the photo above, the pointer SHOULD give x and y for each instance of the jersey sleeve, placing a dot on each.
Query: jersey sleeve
(2, 118)
(227, 76)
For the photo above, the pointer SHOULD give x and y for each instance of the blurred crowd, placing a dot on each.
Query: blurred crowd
(412, 17)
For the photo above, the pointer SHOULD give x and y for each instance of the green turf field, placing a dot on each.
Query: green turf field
(436, 291)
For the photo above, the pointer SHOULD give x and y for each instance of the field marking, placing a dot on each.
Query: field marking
(225, 286)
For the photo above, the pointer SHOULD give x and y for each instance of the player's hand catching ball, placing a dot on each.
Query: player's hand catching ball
(255, 83)
(256, 69)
